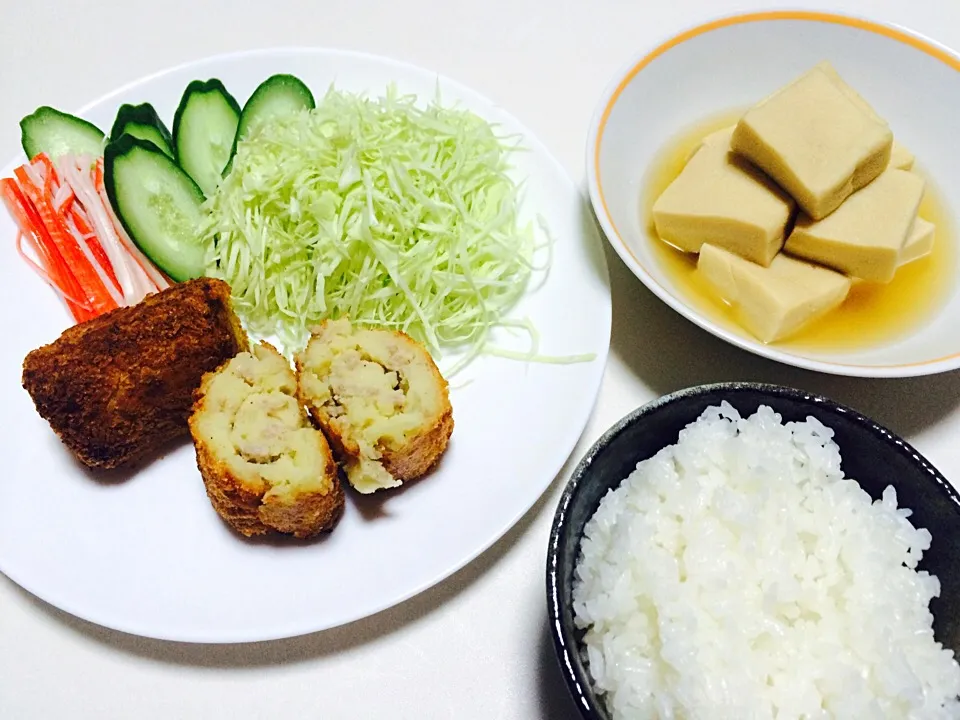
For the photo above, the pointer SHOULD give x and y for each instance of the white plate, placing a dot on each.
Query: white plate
(148, 555)
(733, 63)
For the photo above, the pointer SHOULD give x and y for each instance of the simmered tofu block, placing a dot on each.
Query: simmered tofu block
(719, 137)
(900, 157)
(864, 237)
(722, 199)
(776, 301)
(920, 242)
(831, 72)
(817, 141)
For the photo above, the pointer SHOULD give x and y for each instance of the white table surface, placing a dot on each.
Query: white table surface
(477, 645)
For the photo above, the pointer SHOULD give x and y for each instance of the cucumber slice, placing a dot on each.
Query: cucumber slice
(47, 130)
(158, 204)
(277, 95)
(204, 127)
(142, 122)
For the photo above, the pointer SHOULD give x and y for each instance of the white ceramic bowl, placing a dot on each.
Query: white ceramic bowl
(736, 61)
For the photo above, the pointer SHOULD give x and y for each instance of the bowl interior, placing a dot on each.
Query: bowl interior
(870, 454)
(732, 64)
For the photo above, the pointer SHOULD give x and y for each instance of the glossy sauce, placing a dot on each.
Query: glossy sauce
(872, 314)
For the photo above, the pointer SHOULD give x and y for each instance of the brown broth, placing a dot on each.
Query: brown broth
(872, 314)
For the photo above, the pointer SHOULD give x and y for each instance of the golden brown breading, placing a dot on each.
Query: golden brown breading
(380, 399)
(265, 466)
(120, 386)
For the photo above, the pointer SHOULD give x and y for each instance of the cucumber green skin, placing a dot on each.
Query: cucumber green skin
(286, 88)
(199, 87)
(164, 252)
(142, 122)
(48, 130)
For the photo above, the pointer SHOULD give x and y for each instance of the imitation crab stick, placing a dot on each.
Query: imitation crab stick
(55, 270)
(95, 291)
(77, 245)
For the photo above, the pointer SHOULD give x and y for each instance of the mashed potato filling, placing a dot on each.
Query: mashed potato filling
(375, 389)
(254, 421)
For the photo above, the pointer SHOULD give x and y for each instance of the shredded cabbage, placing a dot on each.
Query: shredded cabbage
(375, 209)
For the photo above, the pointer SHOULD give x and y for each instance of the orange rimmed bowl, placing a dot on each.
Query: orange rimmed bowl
(732, 63)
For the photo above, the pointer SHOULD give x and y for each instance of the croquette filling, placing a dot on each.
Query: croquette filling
(371, 399)
(260, 425)
(258, 428)
(353, 377)
(393, 380)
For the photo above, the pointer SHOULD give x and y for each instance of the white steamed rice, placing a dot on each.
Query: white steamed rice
(738, 574)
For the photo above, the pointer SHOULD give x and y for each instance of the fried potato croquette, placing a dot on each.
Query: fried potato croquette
(264, 465)
(120, 386)
(380, 400)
